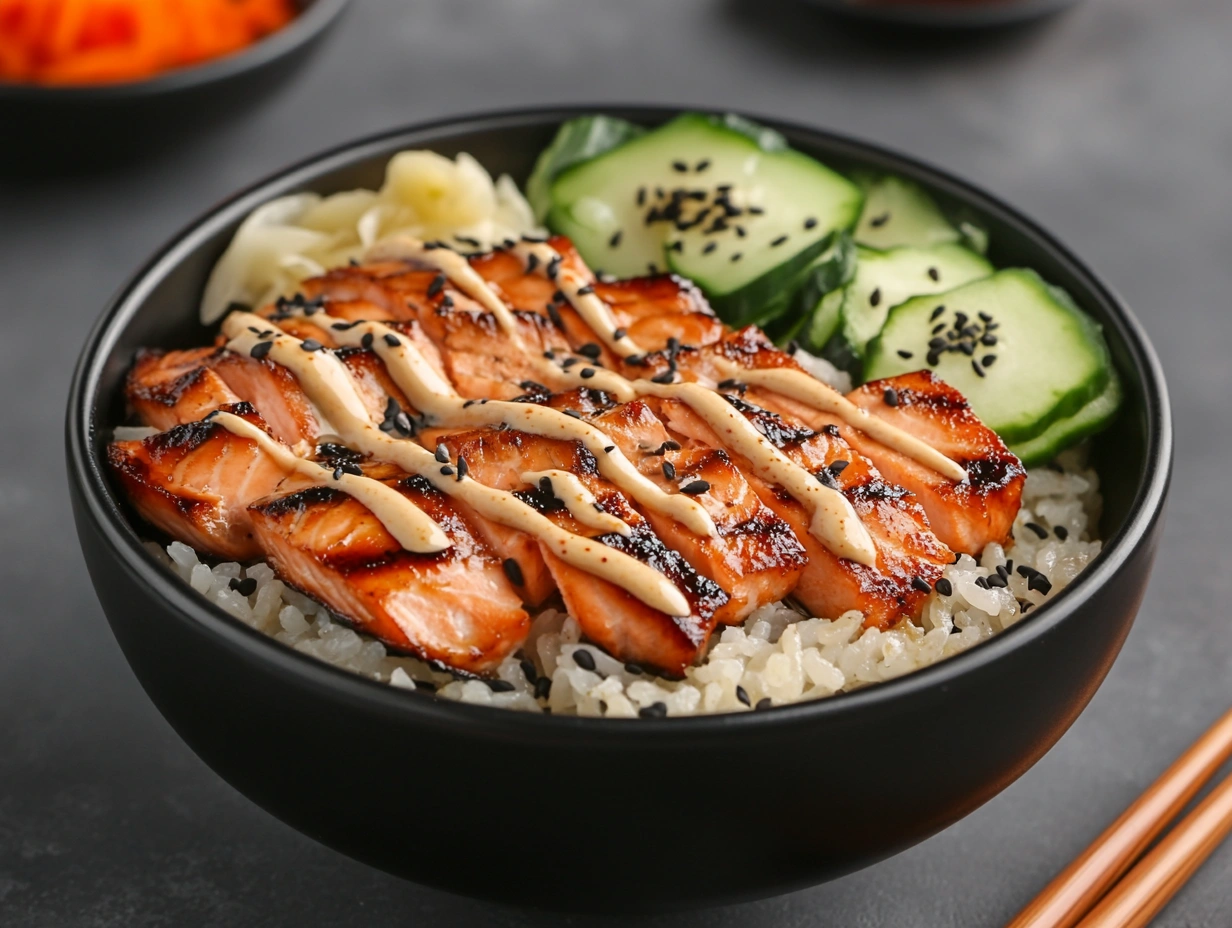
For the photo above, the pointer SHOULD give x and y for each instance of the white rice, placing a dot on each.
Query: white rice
(776, 655)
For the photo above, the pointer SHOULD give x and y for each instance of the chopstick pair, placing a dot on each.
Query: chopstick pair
(1100, 890)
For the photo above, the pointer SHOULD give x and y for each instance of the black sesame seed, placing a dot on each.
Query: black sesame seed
(641, 196)
(447, 471)
(756, 211)
(573, 413)
(554, 315)
(513, 570)
(680, 167)
(984, 317)
(532, 263)
(1060, 531)
(441, 454)
(618, 334)
(742, 695)
(590, 350)
(608, 449)
(878, 221)
(584, 659)
(552, 268)
(260, 350)
(939, 327)
(338, 472)
(656, 710)
(810, 223)
(967, 348)
(587, 372)
(921, 584)
(874, 298)
(1024, 570)
(1038, 529)
(392, 340)
(905, 355)
(740, 233)
(932, 358)
(890, 395)
(702, 165)
(837, 467)
(665, 377)
(438, 284)
(975, 366)
(614, 241)
(778, 241)
(586, 290)
(311, 344)
(934, 274)
(981, 582)
(500, 686)
(543, 687)
(463, 467)
(669, 470)
(1040, 584)
(695, 487)
(937, 312)
(764, 703)
(736, 256)
(944, 587)
(988, 340)
(635, 669)
(997, 582)
(710, 247)
(245, 587)
(533, 386)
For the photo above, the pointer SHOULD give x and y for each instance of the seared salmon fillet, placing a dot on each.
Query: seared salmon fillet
(167, 388)
(195, 482)
(455, 606)
(966, 516)
(624, 625)
(747, 542)
(909, 556)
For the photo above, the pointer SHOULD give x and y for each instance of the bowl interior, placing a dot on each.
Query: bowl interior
(159, 308)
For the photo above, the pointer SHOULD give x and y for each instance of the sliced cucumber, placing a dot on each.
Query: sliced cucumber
(899, 212)
(886, 278)
(1090, 419)
(1020, 351)
(576, 141)
(832, 271)
(825, 322)
(716, 199)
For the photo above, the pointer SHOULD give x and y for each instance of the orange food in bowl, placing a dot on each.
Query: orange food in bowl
(108, 41)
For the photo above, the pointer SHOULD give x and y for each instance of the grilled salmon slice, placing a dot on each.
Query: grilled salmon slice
(167, 388)
(610, 616)
(755, 557)
(455, 606)
(909, 556)
(967, 516)
(195, 482)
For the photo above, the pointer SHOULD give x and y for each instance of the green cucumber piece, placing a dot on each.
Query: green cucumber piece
(886, 278)
(768, 213)
(1048, 357)
(827, 276)
(898, 212)
(825, 322)
(575, 141)
(1063, 433)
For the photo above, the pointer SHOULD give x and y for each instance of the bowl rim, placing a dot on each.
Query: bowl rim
(85, 470)
(307, 25)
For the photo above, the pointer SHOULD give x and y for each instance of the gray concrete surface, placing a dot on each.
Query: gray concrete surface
(1110, 124)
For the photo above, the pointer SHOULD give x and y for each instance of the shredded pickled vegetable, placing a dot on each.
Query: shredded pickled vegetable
(109, 41)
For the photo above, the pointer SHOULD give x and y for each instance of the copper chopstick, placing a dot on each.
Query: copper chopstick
(1076, 890)
(1146, 889)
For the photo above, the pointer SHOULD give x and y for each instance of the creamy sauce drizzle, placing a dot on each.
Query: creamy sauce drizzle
(435, 397)
(407, 523)
(580, 502)
(329, 386)
(798, 385)
(833, 521)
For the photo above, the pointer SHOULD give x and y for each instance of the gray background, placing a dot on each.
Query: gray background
(1110, 124)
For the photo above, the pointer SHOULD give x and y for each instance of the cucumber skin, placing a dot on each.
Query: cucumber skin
(576, 140)
(1066, 406)
(1094, 417)
(963, 228)
(827, 274)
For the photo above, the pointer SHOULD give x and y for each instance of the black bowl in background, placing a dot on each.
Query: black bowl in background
(946, 14)
(653, 813)
(77, 128)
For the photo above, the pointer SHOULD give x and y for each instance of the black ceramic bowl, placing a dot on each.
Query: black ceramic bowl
(648, 813)
(946, 14)
(53, 128)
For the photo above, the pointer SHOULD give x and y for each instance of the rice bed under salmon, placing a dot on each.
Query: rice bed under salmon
(777, 656)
